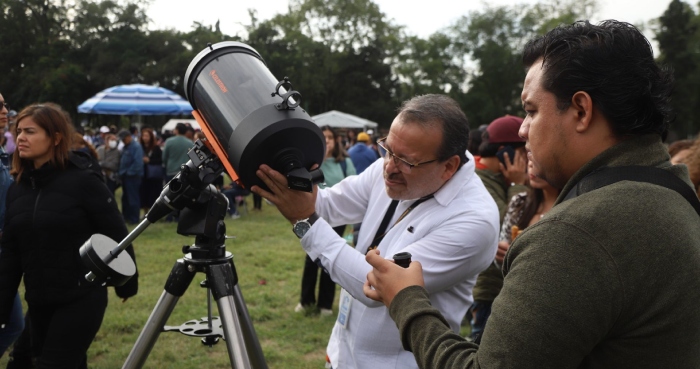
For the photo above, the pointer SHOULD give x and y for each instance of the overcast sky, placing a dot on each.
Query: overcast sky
(419, 20)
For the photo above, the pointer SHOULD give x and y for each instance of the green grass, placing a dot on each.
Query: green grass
(269, 263)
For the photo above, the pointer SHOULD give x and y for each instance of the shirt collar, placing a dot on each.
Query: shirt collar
(454, 185)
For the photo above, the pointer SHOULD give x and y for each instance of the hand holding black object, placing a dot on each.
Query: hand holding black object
(386, 279)
(403, 259)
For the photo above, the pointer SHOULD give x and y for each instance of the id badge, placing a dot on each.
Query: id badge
(344, 310)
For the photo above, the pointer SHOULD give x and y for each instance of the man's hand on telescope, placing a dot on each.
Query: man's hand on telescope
(294, 205)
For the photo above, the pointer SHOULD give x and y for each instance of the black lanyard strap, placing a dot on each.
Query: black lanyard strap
(382, 231)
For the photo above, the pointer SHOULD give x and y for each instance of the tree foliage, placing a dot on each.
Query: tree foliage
(335, 53)
(678, 39)
(488, 47)
(340, 54)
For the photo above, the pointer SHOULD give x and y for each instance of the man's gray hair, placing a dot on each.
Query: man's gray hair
(434, 110)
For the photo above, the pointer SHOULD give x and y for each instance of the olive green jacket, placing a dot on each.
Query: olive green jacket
(489, 282)
(609, 279)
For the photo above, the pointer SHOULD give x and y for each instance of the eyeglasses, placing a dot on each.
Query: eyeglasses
(402, 164)
(4, 104)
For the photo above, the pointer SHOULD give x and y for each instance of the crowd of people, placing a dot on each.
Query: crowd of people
(569, 238)
(142, 161)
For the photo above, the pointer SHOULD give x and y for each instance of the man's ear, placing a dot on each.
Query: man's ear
(451, 166)
(582, 106)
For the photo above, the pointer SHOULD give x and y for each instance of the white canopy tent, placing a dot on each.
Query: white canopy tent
(331, 118)
(170, 125)
(339, 119)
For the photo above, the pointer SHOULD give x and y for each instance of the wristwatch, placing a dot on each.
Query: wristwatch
(302, 226)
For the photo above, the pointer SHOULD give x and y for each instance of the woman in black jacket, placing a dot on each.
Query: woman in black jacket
(56, 203)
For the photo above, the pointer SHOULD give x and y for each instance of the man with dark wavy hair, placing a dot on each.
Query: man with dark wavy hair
(610, 277)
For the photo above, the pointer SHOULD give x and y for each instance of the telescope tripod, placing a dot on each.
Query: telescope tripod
(235, 325)
(202, 212)
(208, 255)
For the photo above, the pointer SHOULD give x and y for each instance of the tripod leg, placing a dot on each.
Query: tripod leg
(178, 281)
(242, 342)
(251, 338)
(235, 342)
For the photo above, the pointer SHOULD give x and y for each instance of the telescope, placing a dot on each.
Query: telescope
(248, 118)
(247, 122)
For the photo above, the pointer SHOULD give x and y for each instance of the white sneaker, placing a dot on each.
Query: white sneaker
(235, 216)
(326, 312)
(299, 308)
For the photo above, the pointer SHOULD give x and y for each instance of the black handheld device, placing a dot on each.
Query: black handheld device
(511, 154)
(403, 259)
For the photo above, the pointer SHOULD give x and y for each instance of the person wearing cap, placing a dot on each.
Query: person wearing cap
(501, 165)
(361, 153)
(609, 278)
(99, 138)
(131, 174)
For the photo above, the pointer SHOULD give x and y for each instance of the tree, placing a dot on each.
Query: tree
(32, 33)
(488, 46)
(678, 39)
(335, 52)
(429, 66)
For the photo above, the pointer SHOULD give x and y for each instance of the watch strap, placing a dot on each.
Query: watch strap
(312, 218)
(307, 222)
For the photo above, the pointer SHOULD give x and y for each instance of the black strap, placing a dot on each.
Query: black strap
(382, 226)
(660, 177)
(344, 167)
(382, 231)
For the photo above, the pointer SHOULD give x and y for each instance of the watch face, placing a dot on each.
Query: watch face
(301, 227)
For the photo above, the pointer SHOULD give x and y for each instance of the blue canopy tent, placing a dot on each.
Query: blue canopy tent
(136, 100)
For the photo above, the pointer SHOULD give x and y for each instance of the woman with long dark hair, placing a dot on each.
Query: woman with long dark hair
(153, 170)
(58, 200)
(336, 166)
(526, 209)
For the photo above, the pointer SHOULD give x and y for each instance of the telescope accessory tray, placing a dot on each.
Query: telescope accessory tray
(199, 328)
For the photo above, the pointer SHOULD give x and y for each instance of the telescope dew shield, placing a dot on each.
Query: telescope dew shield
(251, 119)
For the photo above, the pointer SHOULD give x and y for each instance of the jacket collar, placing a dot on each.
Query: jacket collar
(644, 150)
(43, 175)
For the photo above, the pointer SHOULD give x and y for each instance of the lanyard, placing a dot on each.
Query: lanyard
(382, 231)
